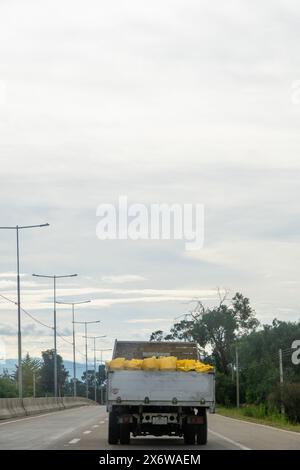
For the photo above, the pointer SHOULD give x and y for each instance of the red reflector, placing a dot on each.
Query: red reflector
(196, 419)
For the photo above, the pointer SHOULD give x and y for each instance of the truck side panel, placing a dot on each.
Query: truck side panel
(161, 387)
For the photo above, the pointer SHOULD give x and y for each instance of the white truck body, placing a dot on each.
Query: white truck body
(161, 387)
(150, 402)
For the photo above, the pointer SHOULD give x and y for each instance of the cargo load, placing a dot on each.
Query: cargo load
(163, 363)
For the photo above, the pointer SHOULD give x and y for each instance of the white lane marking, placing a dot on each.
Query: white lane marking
(96, 426)
(51, 413)
(261, 425)
(87, 432)
(102, 422)
(74, 441)
(237, 444)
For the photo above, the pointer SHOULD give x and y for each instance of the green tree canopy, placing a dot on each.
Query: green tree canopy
(47, 373)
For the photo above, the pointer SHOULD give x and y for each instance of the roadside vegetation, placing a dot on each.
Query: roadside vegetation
(259, 414)
(38, 378)
(231, 327)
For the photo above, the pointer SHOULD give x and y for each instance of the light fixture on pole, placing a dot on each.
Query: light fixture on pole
(54, 277)
(86, 323)
(103, 350)
(74, 343)
(17, 228)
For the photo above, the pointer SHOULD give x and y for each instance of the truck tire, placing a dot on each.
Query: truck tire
(124, 434)
(201, 435)
(189, 434)
(113, 429)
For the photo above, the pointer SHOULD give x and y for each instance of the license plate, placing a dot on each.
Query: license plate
(159, 420)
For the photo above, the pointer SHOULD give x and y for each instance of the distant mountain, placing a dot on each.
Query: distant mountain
(10, 365)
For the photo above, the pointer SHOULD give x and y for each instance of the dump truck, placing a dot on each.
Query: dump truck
(155, 402)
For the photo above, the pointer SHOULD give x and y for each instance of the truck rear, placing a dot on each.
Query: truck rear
(158, 403)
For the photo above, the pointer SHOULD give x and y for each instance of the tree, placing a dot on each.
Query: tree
(157, 335)
(47, 373)
(259, 359)
(101, 374)
(216, 328)
(30, 368)
(8, 386)
(100, 381)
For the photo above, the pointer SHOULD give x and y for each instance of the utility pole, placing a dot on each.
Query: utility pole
(54, 277)
(74, 343)
(281, 381)
(34, 384)
(95, 378)
(237, 377)
(17, 228)
(86, 323)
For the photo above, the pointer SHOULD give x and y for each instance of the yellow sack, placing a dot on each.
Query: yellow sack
(167, 363)
(150, 363)
(117, 364)
(133, 364)
(201, 367)
(185, 365)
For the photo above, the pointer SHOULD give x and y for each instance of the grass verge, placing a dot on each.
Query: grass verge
(258, 414)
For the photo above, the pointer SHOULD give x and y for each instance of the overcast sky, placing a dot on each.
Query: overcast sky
(169, 101)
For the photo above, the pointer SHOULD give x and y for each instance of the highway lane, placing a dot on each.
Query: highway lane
(86, 428)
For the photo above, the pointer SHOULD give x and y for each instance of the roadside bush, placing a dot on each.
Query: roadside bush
(225, 390)
(254, 411)
(290, 397)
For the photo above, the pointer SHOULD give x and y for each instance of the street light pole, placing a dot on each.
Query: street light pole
(237, 377)
(54, 277)
(95, 379)
(74, 341)
(101, 388)
(281, 381)
(17, 228)
(86, 323)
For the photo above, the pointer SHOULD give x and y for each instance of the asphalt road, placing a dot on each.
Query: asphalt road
(86, 428)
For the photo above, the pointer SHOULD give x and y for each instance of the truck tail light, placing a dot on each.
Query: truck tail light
(195, 419)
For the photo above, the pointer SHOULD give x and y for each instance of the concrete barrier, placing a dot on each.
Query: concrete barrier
(4, 409)
(14, 407)
(11, 408)
(72, 402)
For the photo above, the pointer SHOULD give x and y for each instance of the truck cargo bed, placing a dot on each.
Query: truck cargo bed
(161, 387)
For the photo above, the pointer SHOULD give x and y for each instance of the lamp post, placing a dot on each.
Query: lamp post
(74, 343)
(86, 323)
(101, 388)
(95, 379)
(54, 277)
(17, 228)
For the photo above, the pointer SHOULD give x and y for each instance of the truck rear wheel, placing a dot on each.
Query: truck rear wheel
(189, 434)
(124, 434)
(113, 429)
(201, 435)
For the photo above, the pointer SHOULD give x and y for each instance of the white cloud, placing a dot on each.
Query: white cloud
(148, 320)
(123, 278)
(12, 274)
